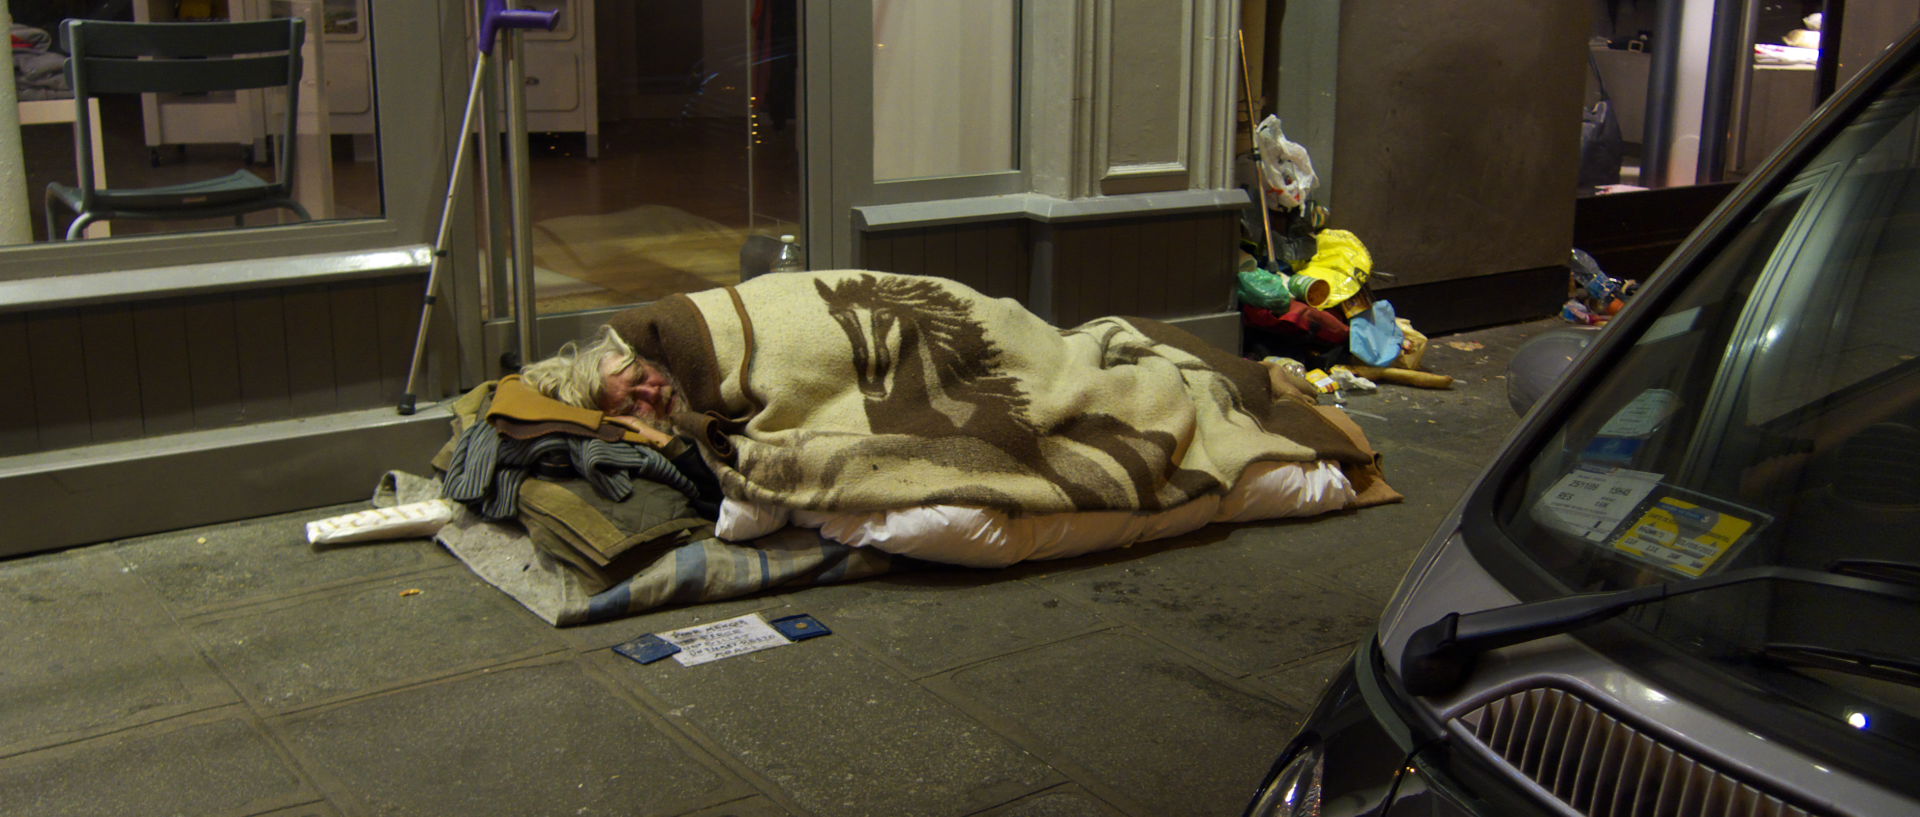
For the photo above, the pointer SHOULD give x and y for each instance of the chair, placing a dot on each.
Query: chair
(131, 58)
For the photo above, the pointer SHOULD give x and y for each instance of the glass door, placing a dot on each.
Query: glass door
(665, 153)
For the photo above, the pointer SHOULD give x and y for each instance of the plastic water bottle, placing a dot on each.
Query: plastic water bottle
(789, 259)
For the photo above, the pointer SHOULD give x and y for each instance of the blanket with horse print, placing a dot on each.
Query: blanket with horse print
(859, 391)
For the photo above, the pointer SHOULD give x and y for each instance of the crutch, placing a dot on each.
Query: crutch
(494, 16)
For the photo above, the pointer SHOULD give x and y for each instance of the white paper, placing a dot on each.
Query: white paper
(1640, 417)
(1668, 326)
(1592, 501)
(723, 639)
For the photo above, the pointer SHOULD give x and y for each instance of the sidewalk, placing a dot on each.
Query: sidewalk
(232, 670)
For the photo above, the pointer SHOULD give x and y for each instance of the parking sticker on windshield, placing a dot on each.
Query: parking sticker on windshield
(1688, 536)
(1592, 500)
(1642, 416)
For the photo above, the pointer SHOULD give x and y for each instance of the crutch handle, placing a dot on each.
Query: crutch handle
(495, 16)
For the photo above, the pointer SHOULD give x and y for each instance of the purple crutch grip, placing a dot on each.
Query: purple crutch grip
(495, 16)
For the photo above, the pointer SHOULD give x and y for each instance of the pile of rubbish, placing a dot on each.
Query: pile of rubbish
(1304, 295)
(1593, 297)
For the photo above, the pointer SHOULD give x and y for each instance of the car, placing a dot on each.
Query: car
(1690, 582)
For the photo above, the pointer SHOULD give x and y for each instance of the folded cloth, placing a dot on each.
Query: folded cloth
(488, 468)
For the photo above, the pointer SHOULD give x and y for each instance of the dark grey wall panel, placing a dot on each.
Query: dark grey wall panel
(992, 257)
(213, 362)
(356, 346)
(19, 433)
(59, 379)
(259, 323)
(398, 305)
(1156, 268)
(310, 372)
(113, 373)
(1161, 267)
(1007, 260)
(127, 371)
(166, 387)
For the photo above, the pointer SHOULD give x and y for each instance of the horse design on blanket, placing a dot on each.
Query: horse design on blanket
(856, 390)
(929, 371)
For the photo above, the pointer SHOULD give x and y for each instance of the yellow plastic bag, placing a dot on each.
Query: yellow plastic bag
(1340, 260)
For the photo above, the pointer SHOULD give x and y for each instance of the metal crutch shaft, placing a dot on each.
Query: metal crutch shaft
(494, 15)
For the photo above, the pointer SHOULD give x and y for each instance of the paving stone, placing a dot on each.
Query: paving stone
(187, 766)
(1467, 422)
(1167, 735)
(931, 623)
(543, 739)
(86, 651)
(264, 559)
(1376, 579)
(750, 807)
(1302, 683)
(1243, 608)
(841, 734)
(606, 634)
(1065, 801)
(369, 637)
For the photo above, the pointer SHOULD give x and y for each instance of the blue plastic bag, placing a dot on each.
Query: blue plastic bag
(1374, 337)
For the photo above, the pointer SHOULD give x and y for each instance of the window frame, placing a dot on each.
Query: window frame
(414, 78)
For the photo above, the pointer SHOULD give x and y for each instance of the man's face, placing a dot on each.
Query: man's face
(635, 390)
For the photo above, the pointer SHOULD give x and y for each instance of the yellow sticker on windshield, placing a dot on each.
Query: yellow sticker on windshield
(1681, 536)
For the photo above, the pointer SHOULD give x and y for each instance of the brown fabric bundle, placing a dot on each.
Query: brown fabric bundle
(856, 390)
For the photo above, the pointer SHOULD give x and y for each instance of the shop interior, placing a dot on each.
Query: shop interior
(652, 160)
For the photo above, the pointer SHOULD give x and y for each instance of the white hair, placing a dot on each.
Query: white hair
(573, 374)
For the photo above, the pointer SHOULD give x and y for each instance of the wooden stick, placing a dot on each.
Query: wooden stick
(1253, 124)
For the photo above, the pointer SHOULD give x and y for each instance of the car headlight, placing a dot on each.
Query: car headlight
(1295, 791)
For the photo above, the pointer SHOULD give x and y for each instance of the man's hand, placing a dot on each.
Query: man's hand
(652, 436)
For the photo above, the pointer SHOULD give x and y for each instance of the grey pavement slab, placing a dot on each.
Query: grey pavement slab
(1467, 422)
(933, 621)
(1160, 734)
(608, 633)
(1300, 683)
(841, 734)
(372, 636)
(748, 807)
(208, 764)
(87, 650)
(1376, 579)
(533, 739)
(264, 559)
(1243, 608)
(1065, 801)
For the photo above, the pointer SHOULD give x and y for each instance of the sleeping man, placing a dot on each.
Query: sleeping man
(853, 400)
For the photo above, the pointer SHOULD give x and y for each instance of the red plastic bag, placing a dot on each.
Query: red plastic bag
(1299, 322)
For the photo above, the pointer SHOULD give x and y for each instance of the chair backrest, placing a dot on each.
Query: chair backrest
(108, 57)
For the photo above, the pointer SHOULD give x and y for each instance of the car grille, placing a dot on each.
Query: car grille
(1604, 767)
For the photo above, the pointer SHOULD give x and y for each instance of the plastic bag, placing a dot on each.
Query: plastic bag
(1284, 164)
(1341, 261)
(1413, 349)
(1264, 289)
(1374, 336)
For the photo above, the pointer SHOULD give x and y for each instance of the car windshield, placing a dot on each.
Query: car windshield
(1770, 415)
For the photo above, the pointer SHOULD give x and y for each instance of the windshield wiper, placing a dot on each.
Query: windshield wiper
(1854, 662)
(1439, 656)
(1885, 570)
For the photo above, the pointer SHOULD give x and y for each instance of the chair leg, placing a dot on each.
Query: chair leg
(79, 225)
(53, 221)
(302, 211)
